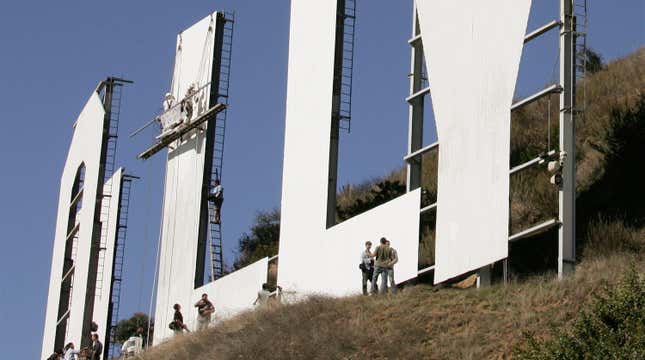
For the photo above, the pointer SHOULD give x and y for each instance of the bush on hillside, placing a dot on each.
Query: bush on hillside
(614, 328)
(380, 193)
(262, 241)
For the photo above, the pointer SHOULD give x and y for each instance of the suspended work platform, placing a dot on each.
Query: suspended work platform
(182, 130)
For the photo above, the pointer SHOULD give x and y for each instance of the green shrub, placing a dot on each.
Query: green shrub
(613, 328)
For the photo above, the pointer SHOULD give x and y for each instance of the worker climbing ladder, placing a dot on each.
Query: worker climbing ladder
(216, 257)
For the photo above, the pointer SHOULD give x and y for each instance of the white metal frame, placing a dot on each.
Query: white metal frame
(565, 88)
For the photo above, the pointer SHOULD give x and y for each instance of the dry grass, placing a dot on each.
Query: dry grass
(420, 322)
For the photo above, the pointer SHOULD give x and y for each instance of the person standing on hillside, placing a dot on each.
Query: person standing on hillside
(177, 325)
(367, 265)
(263, 295)
(217, 196)
(97, 347)
(394, 258)
(383, 256)
(70, 352)
(204, 310)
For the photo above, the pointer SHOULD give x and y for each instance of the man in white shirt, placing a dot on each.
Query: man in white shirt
(70, 352)
(367, 265)
(204, 311)
(217, 196)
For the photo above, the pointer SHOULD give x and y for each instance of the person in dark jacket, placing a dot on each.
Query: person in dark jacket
(97, 348)
(178, 320)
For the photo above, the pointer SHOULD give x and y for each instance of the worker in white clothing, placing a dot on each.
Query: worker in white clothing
(70, 352)
(217, 196)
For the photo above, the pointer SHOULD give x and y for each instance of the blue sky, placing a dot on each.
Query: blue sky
(54, 53)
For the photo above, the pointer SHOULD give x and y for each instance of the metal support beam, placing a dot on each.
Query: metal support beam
(537, 32)
(534, 230)
(62, 318)
(420, 152)
(428, 208)
(567, 192)
(555, 88)
(76, 198)
(414, 39)
(484, 277)
(418, 95)
(423, 271)
(416, 108)
(530, 163)
(68, 273)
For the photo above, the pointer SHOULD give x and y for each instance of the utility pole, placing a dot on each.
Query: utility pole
(567, 191)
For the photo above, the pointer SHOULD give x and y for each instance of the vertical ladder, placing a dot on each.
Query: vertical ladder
(580, 32)
(112, 101)
(117, 269)
(215, 230)
(349, 30)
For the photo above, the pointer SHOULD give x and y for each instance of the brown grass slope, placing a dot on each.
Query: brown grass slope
(425, 322)
(420, 322)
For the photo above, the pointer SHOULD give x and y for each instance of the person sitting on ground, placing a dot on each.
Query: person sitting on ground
(383, 256)
(394, 258)
(217, 196)
(367, 265)
(97, 347)
(263, 295)
(70, 352)
(204, 310)
(177, 324)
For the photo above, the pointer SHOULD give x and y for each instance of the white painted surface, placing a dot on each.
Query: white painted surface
(230, 295)
(473, 51)
(84, 148)
(102, 299)
(312, 258)
(234, 292)
(183, 184)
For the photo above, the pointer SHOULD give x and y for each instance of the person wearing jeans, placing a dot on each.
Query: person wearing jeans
(367, 265)
(394, 258)
(383, 257)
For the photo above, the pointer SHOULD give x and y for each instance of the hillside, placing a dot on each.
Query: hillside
(445, 323)
(418, 323)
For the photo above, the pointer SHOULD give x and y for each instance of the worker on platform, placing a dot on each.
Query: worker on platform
(177, 325)
(383, 256)
(168, 101)
(205, 309)
(394, 258)
(367, 265)
(217, 196)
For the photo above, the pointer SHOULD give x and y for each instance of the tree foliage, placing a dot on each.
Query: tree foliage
(128, 327)
(261, 241)
(592, 60)
(614, 328)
